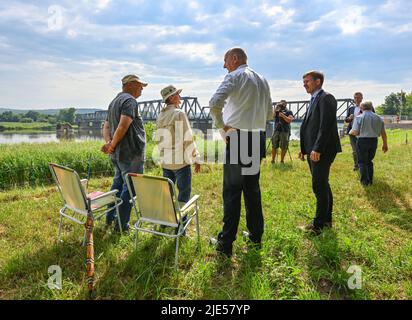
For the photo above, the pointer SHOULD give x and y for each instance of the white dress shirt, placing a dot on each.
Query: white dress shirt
(248, 102)
(357, 111)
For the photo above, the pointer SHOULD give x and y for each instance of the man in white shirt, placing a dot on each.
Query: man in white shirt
(240, 107)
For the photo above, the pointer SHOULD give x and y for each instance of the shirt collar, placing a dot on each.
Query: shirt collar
(315, 94)
(242, 66)
(170, 106)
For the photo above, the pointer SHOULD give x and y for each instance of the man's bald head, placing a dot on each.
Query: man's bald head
(234, 58)
(239, 53)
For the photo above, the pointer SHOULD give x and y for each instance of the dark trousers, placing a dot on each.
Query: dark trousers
(183, 179)
(321, 188)
(353, 142)
(366, 151)
(236, 182)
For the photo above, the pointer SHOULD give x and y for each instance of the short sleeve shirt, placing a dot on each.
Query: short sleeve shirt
(132, 146)
(368, 124)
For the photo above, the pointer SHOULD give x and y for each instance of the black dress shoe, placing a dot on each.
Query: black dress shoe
(251, 244)
(220, 248)
(311, 229)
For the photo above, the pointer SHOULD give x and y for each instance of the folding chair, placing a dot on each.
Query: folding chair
(154, 201)
(78, 202)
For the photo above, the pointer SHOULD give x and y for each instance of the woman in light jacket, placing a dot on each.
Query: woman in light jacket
(177, 148)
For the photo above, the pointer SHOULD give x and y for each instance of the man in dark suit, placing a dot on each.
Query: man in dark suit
(319, 140)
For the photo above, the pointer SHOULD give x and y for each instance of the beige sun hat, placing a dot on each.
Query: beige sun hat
(169, 91)
(132, 77)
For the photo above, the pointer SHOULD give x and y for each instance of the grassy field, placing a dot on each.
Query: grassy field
(372, 229)
(31, 127)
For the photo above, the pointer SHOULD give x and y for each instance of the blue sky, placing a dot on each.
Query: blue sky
(56, 54)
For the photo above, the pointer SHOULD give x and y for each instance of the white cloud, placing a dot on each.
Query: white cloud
(138, 47)
(205, 52)
(278, 13)
(4, 44)
(353, 21)
(93, 83)
(101, 4)
(350, 20)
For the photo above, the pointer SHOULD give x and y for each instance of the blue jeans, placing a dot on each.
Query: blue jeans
(119, 183)
(183, 179)
(366, 153)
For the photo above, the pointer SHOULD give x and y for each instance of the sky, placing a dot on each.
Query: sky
(60, 54)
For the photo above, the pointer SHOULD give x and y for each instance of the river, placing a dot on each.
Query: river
(44, 137)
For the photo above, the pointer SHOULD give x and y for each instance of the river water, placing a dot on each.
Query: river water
(43, 137)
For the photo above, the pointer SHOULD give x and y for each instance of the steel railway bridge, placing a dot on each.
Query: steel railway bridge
(199, 116)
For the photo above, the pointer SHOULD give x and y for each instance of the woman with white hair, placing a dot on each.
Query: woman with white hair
(177, 148)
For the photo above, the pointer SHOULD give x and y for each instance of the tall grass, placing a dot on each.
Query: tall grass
(27, 164)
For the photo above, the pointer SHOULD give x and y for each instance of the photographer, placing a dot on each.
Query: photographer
(283, 117)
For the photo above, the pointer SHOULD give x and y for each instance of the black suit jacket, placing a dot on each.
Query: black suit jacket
(319, 129)
(350, 111)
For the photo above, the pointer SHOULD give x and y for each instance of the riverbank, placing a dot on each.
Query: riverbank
(26, 127)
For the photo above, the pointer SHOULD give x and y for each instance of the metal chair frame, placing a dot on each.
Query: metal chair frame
(92, 205)
(190, 209)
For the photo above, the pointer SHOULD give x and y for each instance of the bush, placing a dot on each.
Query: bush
(26, 120)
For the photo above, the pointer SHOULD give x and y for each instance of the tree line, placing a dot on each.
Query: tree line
(399, 103)
(64, 115)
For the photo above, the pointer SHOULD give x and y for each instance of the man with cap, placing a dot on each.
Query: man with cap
(125, 139)
(177, 148)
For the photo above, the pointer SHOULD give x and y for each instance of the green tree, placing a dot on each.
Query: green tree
(67, 115)
(9, 116)
(393, 104)
(408, 105)
(34, 115)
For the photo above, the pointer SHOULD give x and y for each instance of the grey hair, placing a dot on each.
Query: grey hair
(238, 52)
(367, 105)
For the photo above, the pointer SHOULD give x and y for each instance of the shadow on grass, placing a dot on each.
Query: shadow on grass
(144, 272)
(392, 203)
(27, 275)
(326, 270)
